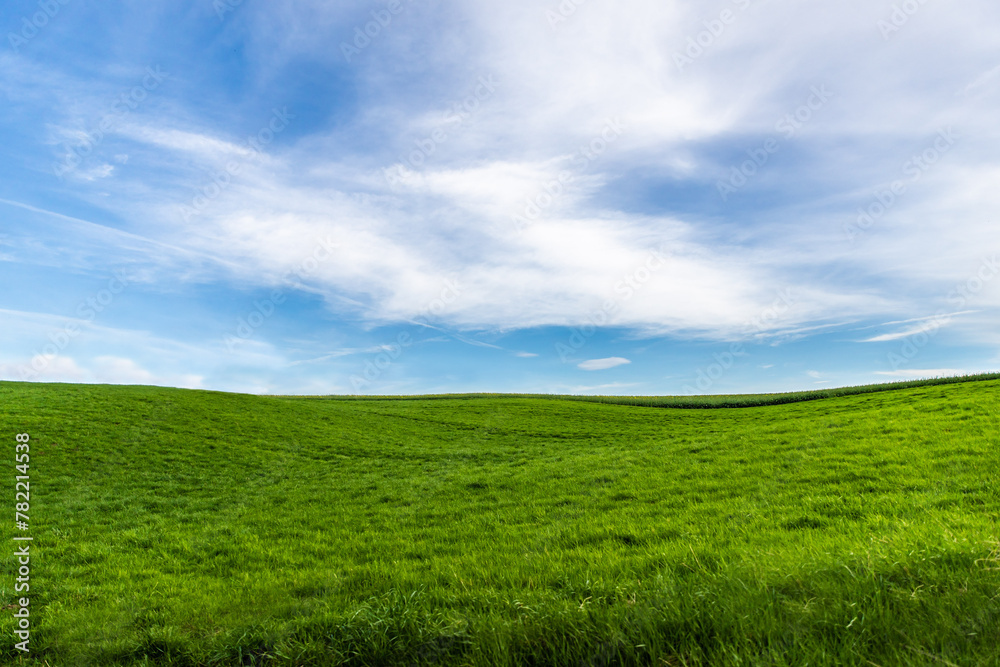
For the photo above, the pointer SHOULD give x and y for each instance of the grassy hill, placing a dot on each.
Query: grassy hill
(176, 527)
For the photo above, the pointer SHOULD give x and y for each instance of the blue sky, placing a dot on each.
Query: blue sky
(640, 197)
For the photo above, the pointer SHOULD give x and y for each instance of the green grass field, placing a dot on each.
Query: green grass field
(176, 527)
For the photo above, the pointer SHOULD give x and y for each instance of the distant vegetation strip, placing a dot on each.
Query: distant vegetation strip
(757, 400)
(705, 401)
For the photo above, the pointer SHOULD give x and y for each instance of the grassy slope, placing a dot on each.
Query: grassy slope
(181, 527)
(708, 400)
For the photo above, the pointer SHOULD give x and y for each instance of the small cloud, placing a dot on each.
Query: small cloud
(603, 387)
(190, 381)
(525, 355)
(923, 372)
(121, 158)
(815, 375)
(766, 366)
(44, 368)
(98, 172)
(117, 370)
(603, 364)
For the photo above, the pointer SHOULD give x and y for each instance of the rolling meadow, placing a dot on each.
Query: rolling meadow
(179, 527)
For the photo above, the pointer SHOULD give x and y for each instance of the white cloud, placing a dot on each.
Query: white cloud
(198, 144)
(117, 370)
(43, 368)
(924, 372)
(101, 370)
(601, 388)
(94, 173)
(452, 220)
(602, 364)
(906, 333)
(452, 217)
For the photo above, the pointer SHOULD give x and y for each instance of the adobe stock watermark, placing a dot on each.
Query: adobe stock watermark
(365, 34)
(87, 310)
(625, 288)
(550, 191)
(458, 113)
(563, 11)
(126, 103)
(380, 363)
(788, 125)
(253, 149)
(35, 23)
(885, 199)
(699, 44)
(709, 375)
(263, 310)
(959, 297)
(901, 15)
(223, 7)
(22, 521)
(963, 292)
